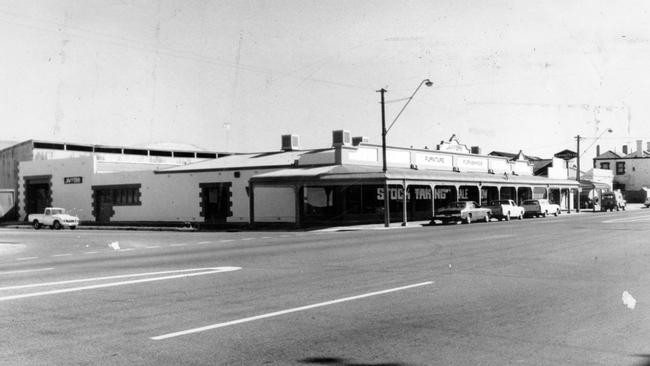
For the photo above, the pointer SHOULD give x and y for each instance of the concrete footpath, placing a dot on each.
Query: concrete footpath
(379, 226)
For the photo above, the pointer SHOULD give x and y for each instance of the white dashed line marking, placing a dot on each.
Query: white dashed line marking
(225, 240)
(62, 255)
(172, 275)
(152, 247)
(91, 252)
(177, 245)
(282, 312)
(204, 242)
(26, 258)
(246, 239)
(26, 270)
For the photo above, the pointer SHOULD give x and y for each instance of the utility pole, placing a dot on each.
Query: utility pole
(578, 171)
(383, 153)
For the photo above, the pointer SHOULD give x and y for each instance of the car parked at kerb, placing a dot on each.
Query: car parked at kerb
(505, 210)
(465, 211)
(540, 207)
(55, 218)
(612, 201)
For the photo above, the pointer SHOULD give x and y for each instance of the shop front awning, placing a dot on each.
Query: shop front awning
(356, 174)
(587, 185)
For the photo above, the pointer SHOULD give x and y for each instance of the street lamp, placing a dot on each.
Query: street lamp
(578, 137)
(384, 131)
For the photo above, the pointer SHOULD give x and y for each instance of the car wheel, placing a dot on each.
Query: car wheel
(556, 213)
(56, 225)
(468, 219)
(508, 216)
(37, 225)
(521, 216)
(544, 214)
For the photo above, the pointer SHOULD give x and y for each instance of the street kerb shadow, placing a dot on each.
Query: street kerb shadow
(343, 362)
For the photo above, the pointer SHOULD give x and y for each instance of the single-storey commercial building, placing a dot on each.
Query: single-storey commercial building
(343, 183)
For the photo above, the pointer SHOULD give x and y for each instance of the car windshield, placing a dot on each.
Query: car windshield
(531, 202)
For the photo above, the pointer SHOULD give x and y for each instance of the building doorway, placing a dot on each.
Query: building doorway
(38, 194)
(216, 202)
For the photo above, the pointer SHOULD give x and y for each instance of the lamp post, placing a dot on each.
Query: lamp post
(384, 131)
(578, 137)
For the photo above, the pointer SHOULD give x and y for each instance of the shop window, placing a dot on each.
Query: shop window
(604, 165)
(620, 168)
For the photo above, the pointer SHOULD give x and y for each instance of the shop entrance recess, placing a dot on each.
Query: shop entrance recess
(38, 194)
(106, 197)
(216, 202)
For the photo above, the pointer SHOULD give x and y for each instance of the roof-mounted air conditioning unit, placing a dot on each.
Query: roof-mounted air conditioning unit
(290, 142)
(341, 138)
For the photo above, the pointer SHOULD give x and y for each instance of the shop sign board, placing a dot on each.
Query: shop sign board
(499, 166)
(364, 154)
(433, 161)
(72, 180)
(441, 193)
(471, 164)
(566, 155)
(397, 194)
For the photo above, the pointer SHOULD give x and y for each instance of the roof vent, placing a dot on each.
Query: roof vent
(290, 142)
(476, 150)
(358, 140)
(341, 138)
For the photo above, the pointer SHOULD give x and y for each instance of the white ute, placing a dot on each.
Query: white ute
(55, 218)
(506, 209)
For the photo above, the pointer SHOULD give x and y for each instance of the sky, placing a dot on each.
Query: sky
(236, 75)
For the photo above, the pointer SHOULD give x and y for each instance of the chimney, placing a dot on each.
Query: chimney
(341, 138)
(290, 142)
(476, 150)
(639, 148)
(625, 149)
(597, 150)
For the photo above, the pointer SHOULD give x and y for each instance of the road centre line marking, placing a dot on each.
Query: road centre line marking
(126, 249)
(61, 255)
(26, 258)
(226, 240)
(205, 271)
(203, 242)
(177, 245)
(91, 252)
(248, 239)
(287, 311)
(26, 270)
(152, 247)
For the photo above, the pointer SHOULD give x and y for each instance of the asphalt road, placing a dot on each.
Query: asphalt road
(532, 292)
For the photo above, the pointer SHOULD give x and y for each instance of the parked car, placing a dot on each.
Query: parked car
(505, 209)
(540, 207)
(55, 218)
(612, 201)
(466, 211)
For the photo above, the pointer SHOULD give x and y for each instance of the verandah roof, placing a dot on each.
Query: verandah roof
(356, 174)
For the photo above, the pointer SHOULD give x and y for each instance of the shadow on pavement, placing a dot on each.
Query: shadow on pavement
(343, 362)
(645, 360)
